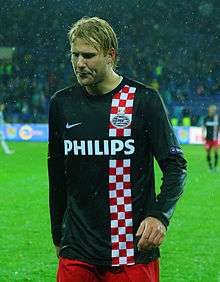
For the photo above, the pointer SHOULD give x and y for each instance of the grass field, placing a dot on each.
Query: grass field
(191, 251)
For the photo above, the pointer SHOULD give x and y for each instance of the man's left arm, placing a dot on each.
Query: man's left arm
(170, 158)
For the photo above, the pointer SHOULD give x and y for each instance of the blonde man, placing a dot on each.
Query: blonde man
(104, 132)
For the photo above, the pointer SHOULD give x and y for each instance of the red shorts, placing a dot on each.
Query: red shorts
(209, 144)
(78, 271)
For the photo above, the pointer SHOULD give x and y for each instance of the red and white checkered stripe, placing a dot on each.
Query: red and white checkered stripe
(120, 186)
(122, 103)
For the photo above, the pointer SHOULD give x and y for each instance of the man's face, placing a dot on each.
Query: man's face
(89, 64)
(212, 110)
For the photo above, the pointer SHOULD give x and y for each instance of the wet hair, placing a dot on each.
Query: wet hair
(97, 32)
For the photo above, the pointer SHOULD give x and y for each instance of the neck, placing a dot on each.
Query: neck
(111, 81)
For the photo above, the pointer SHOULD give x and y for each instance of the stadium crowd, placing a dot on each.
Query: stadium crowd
(176, 55)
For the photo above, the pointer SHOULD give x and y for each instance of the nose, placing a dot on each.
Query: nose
(80, 62)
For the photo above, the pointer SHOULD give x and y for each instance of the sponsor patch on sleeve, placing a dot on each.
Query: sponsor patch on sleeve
(174, 150)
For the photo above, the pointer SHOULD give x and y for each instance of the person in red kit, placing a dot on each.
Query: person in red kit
(104, 133)
(211, 126)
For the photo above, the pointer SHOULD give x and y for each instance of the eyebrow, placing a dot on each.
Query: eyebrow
(84, 54)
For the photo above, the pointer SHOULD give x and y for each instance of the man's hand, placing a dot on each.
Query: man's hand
(57, 251)
(151, 232)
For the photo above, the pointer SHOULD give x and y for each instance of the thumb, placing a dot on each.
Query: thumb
(140, 229)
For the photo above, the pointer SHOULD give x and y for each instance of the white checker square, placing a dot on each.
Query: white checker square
(112, 132)
(129, 103)
(115, 238)
(130, 252)
(128, 222)
(128, 207)
(112, 194)
(122, 245)
(120, 200)
(124, 96)
(114, 223)
(115, 253)
(129, 237)
(115, 102)
(122, 260)
(112, 179)
(132, 89)
(121, 215)
(119, 171)
(127, 132)
(112, 163)
(119, 185)
(121, 110)
(127, 163)
(121, 231)
(113, 209)
(126, 178)
(127, 192)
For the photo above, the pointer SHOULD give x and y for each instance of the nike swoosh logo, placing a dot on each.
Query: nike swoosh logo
(68, 126)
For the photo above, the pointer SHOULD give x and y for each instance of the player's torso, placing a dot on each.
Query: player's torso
(212, 127)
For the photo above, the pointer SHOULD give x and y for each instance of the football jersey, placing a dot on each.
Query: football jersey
(101, 171)
(212, 123)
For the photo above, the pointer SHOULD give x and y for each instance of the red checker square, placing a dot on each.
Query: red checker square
(111, 125)
(127, 200)
(125, 89)
(114, 110)
(114, 231)
(128, 110)
(117, 95)
(129, 230)
(112, 186)
(114, 216)
(122, 253)
(119, 178)
(127, 185)
(130, 96)
(120, 132)
(122, 238)
(121, 208)
(127, 170)
(120, 193)
(130, 260)
(129, 245)
(122, 103)
(112, 170)
(121, 223)
(115, 261)
(115, 245)
(113, 201)
(128, 214)
(119, 163)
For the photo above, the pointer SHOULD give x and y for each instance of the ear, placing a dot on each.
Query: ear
(111, 55)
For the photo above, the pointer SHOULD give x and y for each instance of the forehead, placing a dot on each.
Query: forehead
(81, 45)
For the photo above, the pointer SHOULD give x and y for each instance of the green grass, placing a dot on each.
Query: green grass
(191, 251)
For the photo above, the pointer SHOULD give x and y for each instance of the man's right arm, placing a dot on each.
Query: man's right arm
(57, 191)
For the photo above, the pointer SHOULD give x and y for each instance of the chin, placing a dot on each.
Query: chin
(85, 82)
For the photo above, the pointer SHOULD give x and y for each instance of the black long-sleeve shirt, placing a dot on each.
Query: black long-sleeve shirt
(101, 172)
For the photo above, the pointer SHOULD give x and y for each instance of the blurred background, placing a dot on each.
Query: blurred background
(172, 45)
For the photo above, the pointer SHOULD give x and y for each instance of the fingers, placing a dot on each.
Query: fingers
(140, 229)
(152, 233)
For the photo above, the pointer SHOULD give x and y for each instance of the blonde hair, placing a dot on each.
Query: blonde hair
(96, 32)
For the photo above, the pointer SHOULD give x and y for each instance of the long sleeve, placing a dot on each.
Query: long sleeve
(173, 180)
(57, 191)
(169, 156)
